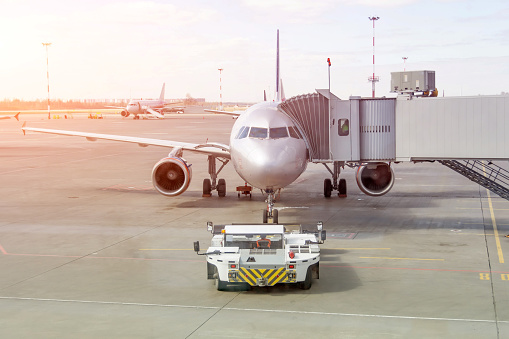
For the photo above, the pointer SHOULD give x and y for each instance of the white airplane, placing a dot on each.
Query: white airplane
(8, 117)
(156, 107)
(266, 148)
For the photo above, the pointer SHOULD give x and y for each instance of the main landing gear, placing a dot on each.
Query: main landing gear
(330, 185)
(270, 212)
(210, 184)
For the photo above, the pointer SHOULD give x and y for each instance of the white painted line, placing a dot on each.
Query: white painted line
(253, 310)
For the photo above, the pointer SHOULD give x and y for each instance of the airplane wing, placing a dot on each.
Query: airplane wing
(218, 150)
(115, 107)
(157, 114)
(234, 113)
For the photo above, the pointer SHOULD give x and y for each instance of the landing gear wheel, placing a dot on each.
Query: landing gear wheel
(207, 187)
(264, 217)
(327, 188)
(221, 187)
(342, 188)
(306, 284)
(275, 218)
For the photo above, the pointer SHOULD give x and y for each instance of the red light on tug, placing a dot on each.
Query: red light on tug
(291, 254)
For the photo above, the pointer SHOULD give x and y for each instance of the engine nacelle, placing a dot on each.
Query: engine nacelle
(124, 113)
(171, 176)
(375, 179)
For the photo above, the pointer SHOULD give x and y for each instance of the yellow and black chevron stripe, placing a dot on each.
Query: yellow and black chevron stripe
(270, 277)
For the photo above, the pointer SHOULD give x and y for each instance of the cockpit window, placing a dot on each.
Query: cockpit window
(258, 132)
(278, 132)
(243, 132)
(294, 132)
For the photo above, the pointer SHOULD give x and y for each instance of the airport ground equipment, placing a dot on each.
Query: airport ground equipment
(247, 255)
(371, 134)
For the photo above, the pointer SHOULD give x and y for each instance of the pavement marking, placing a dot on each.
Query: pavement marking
(495, 230)
(357, 248)
(383, 316)
(413, 269)
(400, 258)
(477, 208)
(494, 223)
(165, 249)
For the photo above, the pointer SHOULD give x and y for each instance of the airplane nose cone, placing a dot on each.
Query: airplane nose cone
(267, 168)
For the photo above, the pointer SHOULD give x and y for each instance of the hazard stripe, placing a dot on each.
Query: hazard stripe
(272, 276)
(277, 276)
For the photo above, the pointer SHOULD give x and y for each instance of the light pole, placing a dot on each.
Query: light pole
(404, 63)
(47, 44)
(220, 90)
(373, 78)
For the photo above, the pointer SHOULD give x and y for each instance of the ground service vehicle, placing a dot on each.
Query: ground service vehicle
(263, 254)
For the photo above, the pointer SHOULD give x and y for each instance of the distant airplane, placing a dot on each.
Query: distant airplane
(157, 107)
(8, 117)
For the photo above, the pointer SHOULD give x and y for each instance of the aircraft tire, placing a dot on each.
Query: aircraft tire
(342, 188)
(264, 217)
(207, 187)
(221, 187)
(327, 188)
(275, 216)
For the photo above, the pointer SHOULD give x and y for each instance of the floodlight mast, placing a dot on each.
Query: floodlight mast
(220, 90)
(47, 44)
(404, 63)
(373, 78)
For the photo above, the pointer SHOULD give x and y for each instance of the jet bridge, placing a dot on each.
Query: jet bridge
(407, 128)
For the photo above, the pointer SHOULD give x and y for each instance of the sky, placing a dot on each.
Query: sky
(129, 48)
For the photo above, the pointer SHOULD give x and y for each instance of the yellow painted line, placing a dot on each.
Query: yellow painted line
(400, 258)
(494, 222)
(358, 248)
(495, 230)
(477, 208)
(165, 249)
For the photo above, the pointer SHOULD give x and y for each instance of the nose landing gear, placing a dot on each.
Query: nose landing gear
(270, 212)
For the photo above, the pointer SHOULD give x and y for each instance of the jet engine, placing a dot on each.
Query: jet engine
(375, 179)
(124, 113)
(171, 176)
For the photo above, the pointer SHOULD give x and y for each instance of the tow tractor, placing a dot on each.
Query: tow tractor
(247, 255)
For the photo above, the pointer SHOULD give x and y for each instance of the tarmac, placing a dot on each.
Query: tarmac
(89, 249)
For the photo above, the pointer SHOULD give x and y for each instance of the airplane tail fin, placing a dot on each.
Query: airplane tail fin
(264, 95)
(161, 97)
(278, 90)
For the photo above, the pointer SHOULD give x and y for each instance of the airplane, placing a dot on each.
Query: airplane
(8, 117)
(266, 147)
(154, 107)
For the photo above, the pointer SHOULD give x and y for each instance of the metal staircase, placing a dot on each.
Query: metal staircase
(486, 174)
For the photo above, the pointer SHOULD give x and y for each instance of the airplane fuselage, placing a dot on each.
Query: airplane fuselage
(266, 148)
(136, 107)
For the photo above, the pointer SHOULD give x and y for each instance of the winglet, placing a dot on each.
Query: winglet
(23, 127)
(17, 116)
(264, 95)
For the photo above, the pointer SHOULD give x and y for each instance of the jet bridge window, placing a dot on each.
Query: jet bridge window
(343, 127)
(258, 132)
(294, 132)
(278, 133)
(244, 130)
